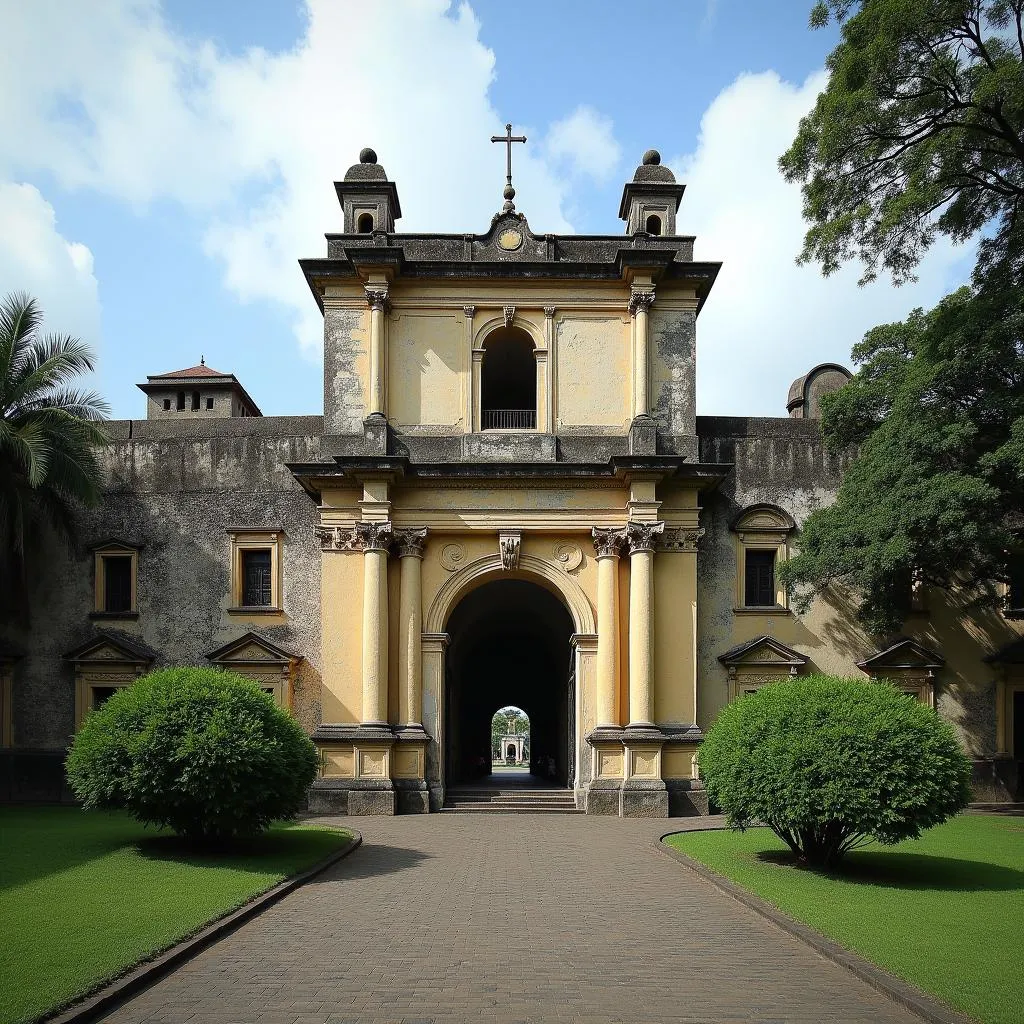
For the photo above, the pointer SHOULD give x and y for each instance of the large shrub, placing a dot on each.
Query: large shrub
(829, 763)
(205, 752)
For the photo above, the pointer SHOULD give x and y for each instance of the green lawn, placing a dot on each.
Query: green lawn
(944, 912)
(84, 896)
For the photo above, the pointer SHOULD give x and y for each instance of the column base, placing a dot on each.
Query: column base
(687, 798)
(643, 800)
(603, 798)
(352, 797)
(412, 796)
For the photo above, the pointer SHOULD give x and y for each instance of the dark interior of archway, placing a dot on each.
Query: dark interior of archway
(509, 371)
(509, 645)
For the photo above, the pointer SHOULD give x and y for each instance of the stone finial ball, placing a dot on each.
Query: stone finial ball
(509, 192)
(652, 156)
(367, 156)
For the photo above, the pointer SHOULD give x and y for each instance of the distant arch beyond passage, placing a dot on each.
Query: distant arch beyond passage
(532, 568)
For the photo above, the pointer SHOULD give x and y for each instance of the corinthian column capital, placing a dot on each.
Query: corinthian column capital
(640, 301)
(643, 536)
(410, 543)
(377, 298)
(608, 543)
(374, 536)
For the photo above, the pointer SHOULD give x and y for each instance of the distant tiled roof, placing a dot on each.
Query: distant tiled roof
(202, 370)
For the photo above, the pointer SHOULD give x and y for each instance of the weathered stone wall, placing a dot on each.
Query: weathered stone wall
(176, 488)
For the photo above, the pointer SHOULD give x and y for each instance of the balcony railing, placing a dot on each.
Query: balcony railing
(509, 419)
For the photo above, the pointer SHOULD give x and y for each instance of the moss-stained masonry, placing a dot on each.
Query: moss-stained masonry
(423, 558)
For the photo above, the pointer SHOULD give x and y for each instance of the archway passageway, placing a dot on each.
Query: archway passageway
(509, 646)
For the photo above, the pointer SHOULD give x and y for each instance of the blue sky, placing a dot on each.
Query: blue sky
(174, 161)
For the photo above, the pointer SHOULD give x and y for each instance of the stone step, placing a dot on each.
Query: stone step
(507, 809)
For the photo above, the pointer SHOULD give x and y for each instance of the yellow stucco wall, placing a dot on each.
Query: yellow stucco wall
(593, 361)
(428, 369)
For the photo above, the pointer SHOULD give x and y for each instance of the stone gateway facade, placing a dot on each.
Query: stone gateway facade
(509, 499)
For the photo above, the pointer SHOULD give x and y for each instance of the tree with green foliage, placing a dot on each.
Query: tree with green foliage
(48, 431)
(830, 764)
(920, 133)
(204, 752)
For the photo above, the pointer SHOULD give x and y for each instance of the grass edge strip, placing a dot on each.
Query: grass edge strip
(908, 996)
(112, 994)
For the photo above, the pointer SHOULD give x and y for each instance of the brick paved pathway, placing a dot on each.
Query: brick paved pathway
(502, 918)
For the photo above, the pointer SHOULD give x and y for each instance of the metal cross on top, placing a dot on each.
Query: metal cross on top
(508, 138)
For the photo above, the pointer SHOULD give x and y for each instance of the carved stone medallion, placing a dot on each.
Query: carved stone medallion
(452, 557)
(569, 556)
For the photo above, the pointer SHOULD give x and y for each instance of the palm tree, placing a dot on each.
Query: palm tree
(48, 432)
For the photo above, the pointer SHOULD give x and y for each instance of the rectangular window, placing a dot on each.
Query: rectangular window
(181, 400)
(209, 403)
(101, 694)
(257, 590)
(1015, 590)
(195, 401)
(167, 403)
(117, 584)
(759, 580)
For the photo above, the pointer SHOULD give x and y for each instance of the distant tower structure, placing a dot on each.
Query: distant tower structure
(198, 392)
(804, 400)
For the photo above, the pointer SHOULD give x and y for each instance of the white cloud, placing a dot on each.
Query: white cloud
(767, 320)
(585, 143)
(251, 143)
(36, 258)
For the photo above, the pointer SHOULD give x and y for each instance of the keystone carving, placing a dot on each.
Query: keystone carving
(640, 301)
(377, 298)
(509, 543)
(680, 538)
(642, 536)
(410, 543)
(510, 315)
(608, 543)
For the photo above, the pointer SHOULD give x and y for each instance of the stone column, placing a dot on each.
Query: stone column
(478, 376)
(410, 545)
(374, 539)
(641, 538)
(607, 546)
(639, 307)
(377, 298)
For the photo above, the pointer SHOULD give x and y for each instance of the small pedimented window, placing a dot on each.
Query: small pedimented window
(762, 543)
(115, 580)
(909, 666)
(758, 662)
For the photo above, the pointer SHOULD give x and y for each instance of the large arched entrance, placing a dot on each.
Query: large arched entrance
(509, 645)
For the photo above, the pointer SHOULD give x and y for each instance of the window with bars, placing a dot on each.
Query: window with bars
(117, 583)
(257, 590)
(759, 580)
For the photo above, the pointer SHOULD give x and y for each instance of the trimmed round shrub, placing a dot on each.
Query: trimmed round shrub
(205, 752)
(829, 764)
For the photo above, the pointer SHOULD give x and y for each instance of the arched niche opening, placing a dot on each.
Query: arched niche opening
(508, 382)
(653, 224)
(509, 649)
(365, 223)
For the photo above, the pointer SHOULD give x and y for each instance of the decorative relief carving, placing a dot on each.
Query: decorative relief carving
(469, 312)
(337, 538)
(680, 538)
(452, 556)
(411, 542)
(509, 543)
(642, 536)
(549, 311)
(569, 556)
(377, 298)
(608, 542)
(510, 315)
(640, 301)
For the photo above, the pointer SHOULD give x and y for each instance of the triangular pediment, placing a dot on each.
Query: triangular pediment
(903, 654)
(251, 648)
(109, 647)
(764, 650)
(116, 544)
